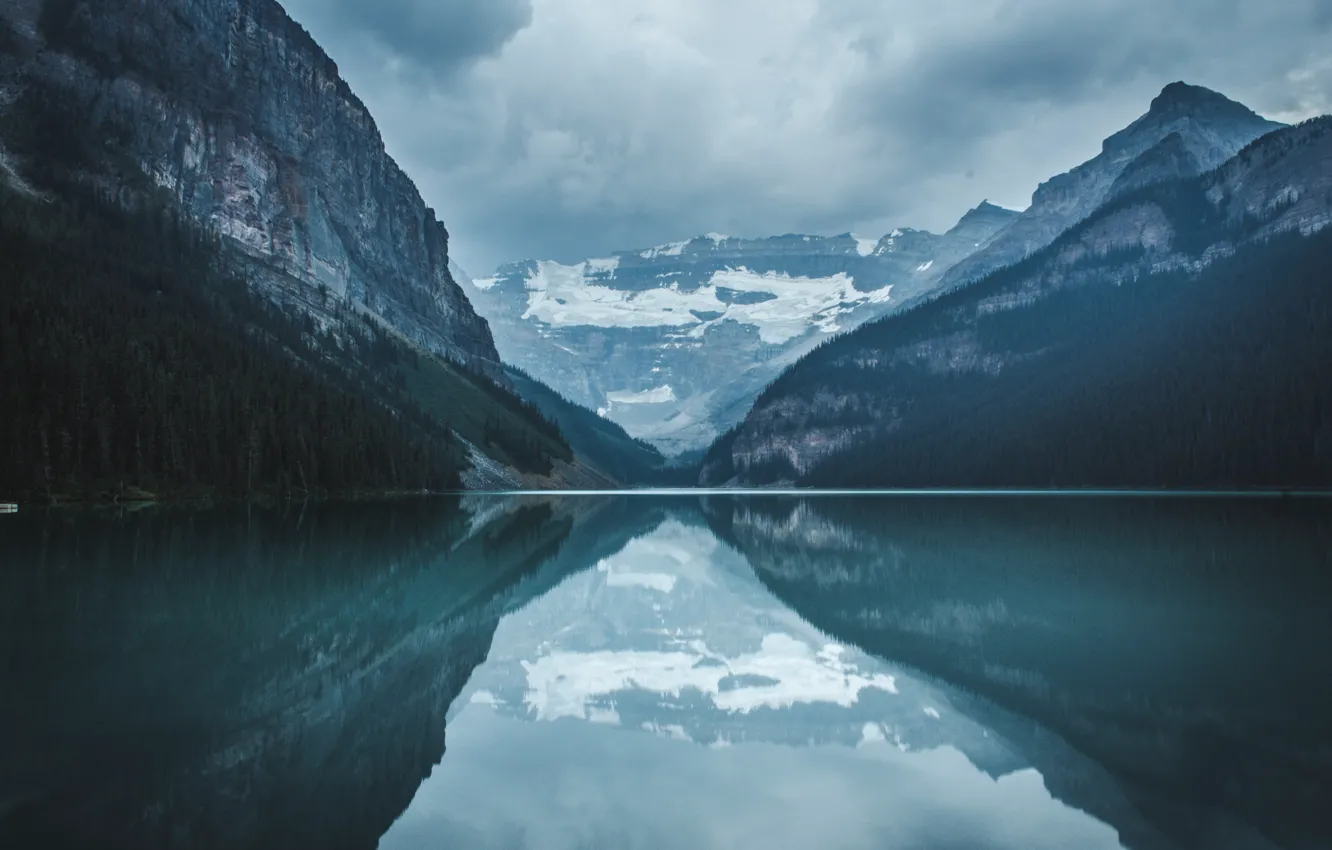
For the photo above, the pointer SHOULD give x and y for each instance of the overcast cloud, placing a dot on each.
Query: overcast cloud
(563, 129)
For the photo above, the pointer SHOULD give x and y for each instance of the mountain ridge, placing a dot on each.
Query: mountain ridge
(1212, 128)
(864, 391)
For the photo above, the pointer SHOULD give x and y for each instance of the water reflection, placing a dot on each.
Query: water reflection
(1180, 643)
(665, 698)
(243, 679)
(670, 672)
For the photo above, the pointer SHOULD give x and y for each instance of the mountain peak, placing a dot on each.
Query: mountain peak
(1181, 106)
(984, 215)
(989, 208)
(1182, 97)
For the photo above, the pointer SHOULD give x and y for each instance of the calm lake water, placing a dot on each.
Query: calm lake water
(686, 671)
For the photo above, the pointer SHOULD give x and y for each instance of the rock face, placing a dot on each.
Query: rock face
(925, 377)
(674, 342)
(231, 108)
(1187, 130)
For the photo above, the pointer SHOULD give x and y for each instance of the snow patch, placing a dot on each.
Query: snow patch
(605, 716)
(798, 303)
(924, 267)
(670, 249)
(574, 684)
(717, 238)
(660, 582)
(864, 247)
(872, 733)
(932, 712)
(659, 395)
(484, 698)
(485, 283)
(562, 296)
(672, 731)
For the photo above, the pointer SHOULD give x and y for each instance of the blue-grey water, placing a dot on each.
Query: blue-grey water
(680, 671)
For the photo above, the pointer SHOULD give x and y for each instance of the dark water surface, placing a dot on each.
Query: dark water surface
(688, 671)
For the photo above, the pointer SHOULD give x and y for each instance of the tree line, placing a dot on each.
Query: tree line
(134, 365)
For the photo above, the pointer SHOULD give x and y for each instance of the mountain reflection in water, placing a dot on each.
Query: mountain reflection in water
(685, 671)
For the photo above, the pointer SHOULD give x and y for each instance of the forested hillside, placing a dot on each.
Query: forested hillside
(599, 441)
(1176, 337)
(1170, 380)
(134, 366)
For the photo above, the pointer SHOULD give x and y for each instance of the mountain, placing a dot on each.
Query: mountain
(231, 108)
(1186, 131)
(197, 170)
(1178, 336)
(673, 342)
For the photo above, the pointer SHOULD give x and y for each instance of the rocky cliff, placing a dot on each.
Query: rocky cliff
(232, 109)
(674, 342)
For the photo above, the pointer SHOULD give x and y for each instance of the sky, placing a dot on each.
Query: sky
(566, 129)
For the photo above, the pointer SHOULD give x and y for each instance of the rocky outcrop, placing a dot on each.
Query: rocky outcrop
(674, 342)
(1187, 130)
(233, 110)
(1168, 160)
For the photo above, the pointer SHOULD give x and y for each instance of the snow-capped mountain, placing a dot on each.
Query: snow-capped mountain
(675, 341)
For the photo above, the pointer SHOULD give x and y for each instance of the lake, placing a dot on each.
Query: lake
(670, 671)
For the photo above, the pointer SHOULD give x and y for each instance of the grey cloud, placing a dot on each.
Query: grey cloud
(618, 124)
(440, 35)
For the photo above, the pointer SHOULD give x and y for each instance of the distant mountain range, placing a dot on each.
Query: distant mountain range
(674, 342)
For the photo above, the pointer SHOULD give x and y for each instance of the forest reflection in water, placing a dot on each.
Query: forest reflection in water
(676, 671)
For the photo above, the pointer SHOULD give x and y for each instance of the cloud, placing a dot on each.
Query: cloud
(563, 130)
(437, 36)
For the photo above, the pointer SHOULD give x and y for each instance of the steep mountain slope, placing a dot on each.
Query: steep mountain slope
(139, 366)
(1178, 336)
(122, 120)
(601, 443)
(674, 342)
(1187, 130)
(233, 109)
